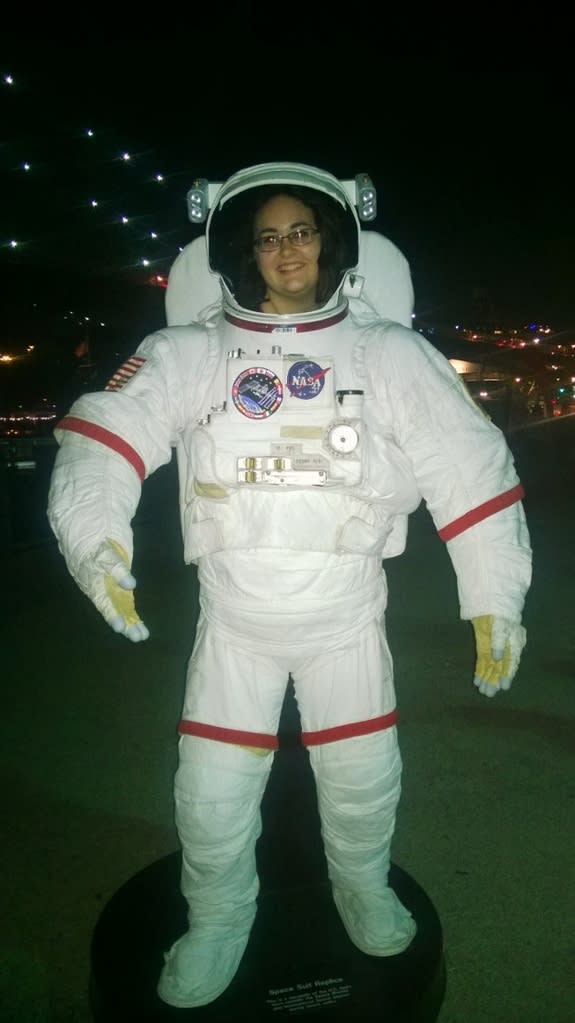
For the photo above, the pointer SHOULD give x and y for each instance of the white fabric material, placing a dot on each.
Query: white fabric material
(505, 634)
(361, 512)
(377, 923)
(93, 496)
(358, 785)
(447, 453)
(218, 789)
(335, 684)
(203, 962)
(458, 459)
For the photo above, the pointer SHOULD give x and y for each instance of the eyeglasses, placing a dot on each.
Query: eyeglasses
(271, 242)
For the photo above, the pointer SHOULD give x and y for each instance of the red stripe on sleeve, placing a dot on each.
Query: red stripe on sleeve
(106, 437)
(349, 731)
(233, 735)
(483, 511)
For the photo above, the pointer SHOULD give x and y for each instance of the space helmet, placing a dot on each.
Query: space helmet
(338, 206)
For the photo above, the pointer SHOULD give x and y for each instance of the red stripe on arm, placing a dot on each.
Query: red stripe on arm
(233, 735)
(106, 437)
(349, 731)
(483, 511)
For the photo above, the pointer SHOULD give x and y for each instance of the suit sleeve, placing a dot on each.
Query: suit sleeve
(464, 470)
(112, 440)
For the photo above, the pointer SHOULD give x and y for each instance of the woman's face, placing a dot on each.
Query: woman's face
(290, 271)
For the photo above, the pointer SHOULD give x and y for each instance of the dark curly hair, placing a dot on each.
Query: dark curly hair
(231, 241)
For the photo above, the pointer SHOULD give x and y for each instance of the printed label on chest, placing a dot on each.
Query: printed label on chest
(257, 392)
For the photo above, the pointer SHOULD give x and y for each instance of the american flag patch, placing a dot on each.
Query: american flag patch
(124, 373)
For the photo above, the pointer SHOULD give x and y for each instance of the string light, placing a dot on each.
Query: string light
(51, 219)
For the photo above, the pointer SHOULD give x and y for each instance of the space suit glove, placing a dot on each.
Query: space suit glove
(105, 577)
(499, 643)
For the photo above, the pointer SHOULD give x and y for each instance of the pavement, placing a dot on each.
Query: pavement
(486, 824)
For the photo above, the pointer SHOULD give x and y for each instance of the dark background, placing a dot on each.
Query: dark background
(471, 161)
(472, 167)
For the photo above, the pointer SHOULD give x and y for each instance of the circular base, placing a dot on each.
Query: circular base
(299, 961)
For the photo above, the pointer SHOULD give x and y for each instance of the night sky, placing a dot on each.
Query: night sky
(472, 167)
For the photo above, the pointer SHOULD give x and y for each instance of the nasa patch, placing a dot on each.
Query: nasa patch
(305, 379)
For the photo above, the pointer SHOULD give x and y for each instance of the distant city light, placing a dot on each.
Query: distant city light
(8, 80)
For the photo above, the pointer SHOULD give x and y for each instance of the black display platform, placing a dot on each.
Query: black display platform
(299, 962)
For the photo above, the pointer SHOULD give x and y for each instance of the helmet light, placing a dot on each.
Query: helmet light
(198, 200)
(360, 192)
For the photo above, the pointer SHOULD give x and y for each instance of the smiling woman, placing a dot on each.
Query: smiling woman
(291, 274)
(287, 249)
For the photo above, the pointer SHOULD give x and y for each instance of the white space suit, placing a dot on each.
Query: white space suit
(303, 444)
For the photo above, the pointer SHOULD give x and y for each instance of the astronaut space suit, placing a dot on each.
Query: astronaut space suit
(303, 443)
